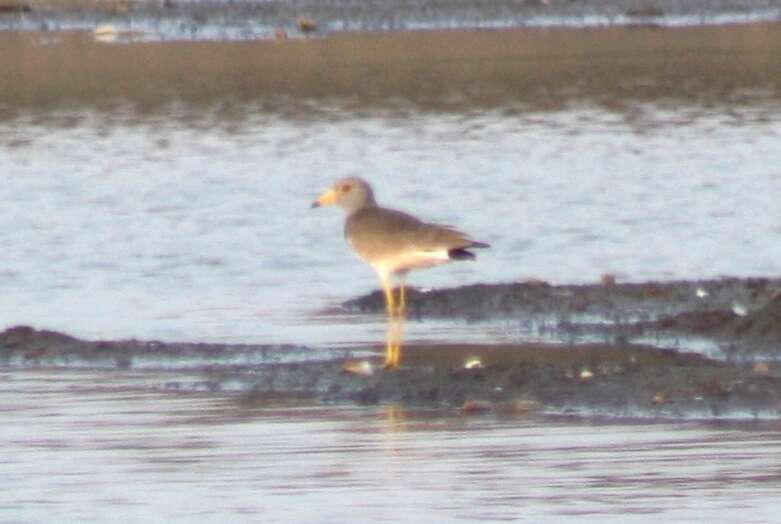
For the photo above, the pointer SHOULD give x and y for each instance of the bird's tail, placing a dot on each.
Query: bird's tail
(460, 253)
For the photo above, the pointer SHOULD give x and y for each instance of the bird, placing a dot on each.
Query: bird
(306, 25)
(393, 243)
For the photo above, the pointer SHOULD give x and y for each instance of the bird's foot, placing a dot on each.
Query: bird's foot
(390, 365)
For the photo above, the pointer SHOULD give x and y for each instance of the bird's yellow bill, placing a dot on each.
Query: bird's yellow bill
(327, 198)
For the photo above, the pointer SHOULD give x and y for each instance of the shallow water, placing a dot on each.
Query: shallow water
(169, 228)
(96, 447)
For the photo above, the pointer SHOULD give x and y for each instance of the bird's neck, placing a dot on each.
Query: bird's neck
(365, 206)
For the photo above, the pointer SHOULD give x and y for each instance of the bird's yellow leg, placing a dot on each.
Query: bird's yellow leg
(398, 331)
(402, 308)
(390, 346)
(395, 311)
(398, 328)
(390, 338)
(390, 307)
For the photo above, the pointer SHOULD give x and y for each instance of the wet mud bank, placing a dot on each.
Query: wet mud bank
(741, 317)
(616, 378)
(621, 381)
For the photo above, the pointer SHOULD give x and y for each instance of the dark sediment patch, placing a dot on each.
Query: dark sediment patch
(626, 299)
(13, 7)
(764, 323)
(743, 316)
(616, 380)
(761, 327)
(23, 346)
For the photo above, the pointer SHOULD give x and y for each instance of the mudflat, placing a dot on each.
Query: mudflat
(438, 70)
(604, 369)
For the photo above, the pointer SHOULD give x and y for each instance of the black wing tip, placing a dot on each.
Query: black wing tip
(461, 253)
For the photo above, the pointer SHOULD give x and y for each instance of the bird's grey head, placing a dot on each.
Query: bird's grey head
(351, 194)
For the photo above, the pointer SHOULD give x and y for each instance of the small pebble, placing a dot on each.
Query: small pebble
(739, 309)
(473, 363)
(518, 406)
(473, 407)
(608, 280)
(306, 25)
(105, 33)
(280, 33)
(761, 369)
(362, 367)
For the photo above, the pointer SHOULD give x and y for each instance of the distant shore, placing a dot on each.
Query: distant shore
(248, 19)
(539, 70)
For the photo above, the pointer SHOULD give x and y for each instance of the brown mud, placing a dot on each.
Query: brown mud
(543, 70)
(616, 378)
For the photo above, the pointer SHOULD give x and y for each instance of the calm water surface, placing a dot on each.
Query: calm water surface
(153, 456)
(180, 227)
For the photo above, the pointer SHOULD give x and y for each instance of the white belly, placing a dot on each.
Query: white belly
(409, 260)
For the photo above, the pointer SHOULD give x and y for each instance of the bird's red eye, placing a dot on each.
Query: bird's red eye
(346, 188)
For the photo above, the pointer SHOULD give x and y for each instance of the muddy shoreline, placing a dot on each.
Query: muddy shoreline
(469, 71)
(740, 316)
(619, 377)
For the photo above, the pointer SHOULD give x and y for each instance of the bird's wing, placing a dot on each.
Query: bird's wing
(378, 229)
